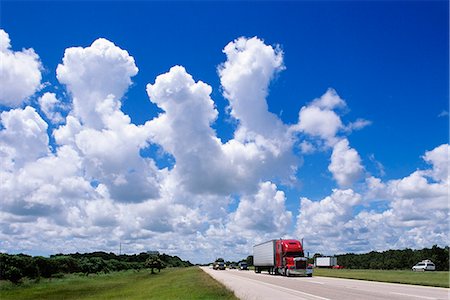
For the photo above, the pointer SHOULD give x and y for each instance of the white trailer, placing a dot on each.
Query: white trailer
(264, 254)
(326, 261)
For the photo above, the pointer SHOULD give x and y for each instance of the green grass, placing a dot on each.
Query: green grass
(182, 283)
(439, 279)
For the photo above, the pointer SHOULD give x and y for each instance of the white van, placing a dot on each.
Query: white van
(425, 265)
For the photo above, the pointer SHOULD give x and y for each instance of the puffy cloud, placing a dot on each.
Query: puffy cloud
(415, 185)
(45, 186)
(245, 77)
(264, 212)
(65, 134)
(49, 105)
(93, 74)
(112, 158)
(321, 123)
(97, 77)
(184, 131)
(383, 231)
(375, 188)
(96, 188)
(327, 219)
(102, 184)
(189, 111)
(345, 164)
(23, 137)
(203, 163)
(20, 75)
(318, 118)
(329, 101)
(416, 213)
(262, 143)
(439, 158)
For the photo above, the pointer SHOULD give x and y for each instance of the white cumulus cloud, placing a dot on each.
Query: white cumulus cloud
(93, 74)
(109, 143)
(203, 163)
(23, 138)
(439, 158)
(345, 164)
(20, 75)
(49, 105)
(263, 212)
(323, 223)
(86, 181)
(245, 77)
(415, 212)
(319, 120)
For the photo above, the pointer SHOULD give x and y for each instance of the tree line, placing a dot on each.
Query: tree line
(18, 266)
(395, 259)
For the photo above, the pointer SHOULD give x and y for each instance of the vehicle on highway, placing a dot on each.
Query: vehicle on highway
(219, 265)
(425, 265)
(243, 266)
(338, 267)
(285, 257)
(325, 261)
(232, 266)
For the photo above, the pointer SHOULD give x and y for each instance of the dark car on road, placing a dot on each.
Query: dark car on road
(219, 265)
(243, 266)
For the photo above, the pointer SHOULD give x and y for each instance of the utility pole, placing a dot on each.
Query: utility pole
(120, 248)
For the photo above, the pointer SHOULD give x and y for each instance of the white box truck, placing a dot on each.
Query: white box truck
(325, 262)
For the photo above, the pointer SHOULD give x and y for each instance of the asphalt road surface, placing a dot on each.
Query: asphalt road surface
(247, 285)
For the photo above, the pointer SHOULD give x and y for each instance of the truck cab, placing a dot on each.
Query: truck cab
(290, 258)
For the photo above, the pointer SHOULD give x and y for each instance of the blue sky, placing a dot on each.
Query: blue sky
(384, 65)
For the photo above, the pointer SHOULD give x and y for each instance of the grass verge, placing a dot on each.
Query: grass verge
(183, 283)
(438, 279)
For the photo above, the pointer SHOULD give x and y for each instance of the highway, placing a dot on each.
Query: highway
(247, 285)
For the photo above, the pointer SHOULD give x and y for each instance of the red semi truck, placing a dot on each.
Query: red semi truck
(285, 257)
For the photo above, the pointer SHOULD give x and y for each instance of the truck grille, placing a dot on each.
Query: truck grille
(300, 264)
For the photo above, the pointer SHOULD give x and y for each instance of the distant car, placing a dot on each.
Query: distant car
(425, 265)
(232, 266)
(220, 265)
(337, 267)
(243, 266)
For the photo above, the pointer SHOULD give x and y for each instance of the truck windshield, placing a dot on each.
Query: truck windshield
(295, 254)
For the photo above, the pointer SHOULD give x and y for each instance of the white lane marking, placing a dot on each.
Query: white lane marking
(411, 295)
(312, 281)
(383, 283)
(288, 289)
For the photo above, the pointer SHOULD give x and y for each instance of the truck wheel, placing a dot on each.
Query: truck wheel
(309, 275)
